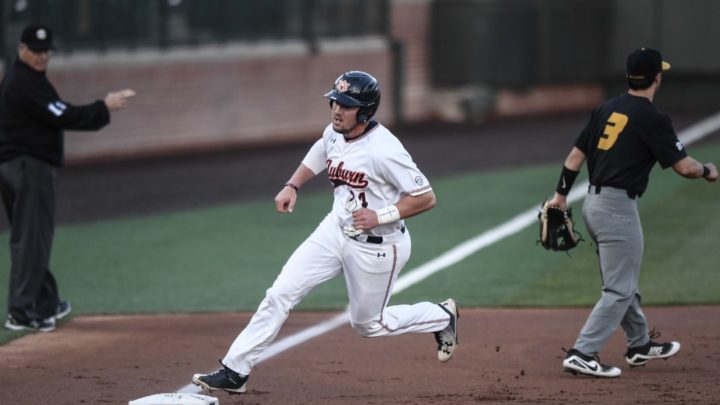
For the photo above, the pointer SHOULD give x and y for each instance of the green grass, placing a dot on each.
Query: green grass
(224, 258)
(680, 222)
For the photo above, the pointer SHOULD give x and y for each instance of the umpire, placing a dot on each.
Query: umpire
(624, 139)
(32, 120)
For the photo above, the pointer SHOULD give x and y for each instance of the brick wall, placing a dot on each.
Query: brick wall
(411, 26)
(242, 95)
(216, 100)
(237, 95)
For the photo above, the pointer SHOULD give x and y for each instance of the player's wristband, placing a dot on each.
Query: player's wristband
(567, 178)
(706, 171)
(388, 214)
(292, 186)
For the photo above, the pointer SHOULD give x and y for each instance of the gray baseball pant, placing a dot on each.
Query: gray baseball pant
(613, 222)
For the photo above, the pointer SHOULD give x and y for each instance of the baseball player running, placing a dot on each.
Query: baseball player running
(624, 139)
(364, 238)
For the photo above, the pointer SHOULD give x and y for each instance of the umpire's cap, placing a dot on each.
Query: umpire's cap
(37, 37)
(357, 89)
(644, 64)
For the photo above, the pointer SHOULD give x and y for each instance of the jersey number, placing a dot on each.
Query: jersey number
(615, 124)
(362, 198)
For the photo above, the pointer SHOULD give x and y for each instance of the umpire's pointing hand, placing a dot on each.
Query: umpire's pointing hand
(118, 99)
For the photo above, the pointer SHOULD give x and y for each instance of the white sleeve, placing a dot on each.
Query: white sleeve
(400, 170)
(316, 157)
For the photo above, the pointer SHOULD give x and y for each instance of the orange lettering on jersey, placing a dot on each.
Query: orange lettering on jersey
(339, 176)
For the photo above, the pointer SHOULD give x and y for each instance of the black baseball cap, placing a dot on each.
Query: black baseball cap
(37, 37)
(644, 64)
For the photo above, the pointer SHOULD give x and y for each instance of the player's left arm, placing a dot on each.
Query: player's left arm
(396, 165)
(670, 152)
(692, 169)
(406, 207)
(411, 205)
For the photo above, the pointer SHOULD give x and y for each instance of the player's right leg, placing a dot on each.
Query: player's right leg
(312, 263)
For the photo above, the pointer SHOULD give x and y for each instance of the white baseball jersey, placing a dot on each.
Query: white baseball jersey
(373, 170)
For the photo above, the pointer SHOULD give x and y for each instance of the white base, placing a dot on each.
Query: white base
(175, 398)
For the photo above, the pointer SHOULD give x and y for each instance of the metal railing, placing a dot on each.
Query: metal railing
(101, 25)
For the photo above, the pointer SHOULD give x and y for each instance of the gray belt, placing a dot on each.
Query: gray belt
(598, 189)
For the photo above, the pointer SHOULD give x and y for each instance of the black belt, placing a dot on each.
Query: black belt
(631, 194)
(375, 240)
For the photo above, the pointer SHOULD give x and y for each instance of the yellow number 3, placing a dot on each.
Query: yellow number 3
(616, 123)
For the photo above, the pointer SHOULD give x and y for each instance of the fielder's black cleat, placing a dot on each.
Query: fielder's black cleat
(638, 356)
(577, 362)
(224, 379)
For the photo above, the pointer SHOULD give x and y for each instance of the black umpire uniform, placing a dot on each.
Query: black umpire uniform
(32, 120)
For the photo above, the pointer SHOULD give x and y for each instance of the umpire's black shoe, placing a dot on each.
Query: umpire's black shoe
(224, 379)
(638, 356)
(63, 309)
(42, 325)
(447, 339)
(577, 362)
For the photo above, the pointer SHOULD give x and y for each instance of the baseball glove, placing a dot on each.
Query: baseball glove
(557, 229)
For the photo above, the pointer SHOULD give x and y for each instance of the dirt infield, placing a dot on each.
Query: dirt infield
(505, 357)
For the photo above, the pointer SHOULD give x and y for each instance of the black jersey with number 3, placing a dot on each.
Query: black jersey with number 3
(624, 138)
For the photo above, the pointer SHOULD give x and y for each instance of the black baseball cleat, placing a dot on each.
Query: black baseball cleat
(224, 379)
(447, 339)
(638, 356)
(577, 362)
(42, 325)
(63, 309)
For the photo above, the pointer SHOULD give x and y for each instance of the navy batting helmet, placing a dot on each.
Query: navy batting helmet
(357, 89)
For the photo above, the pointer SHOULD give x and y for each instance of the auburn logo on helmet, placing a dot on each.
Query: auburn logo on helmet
(342, 86)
